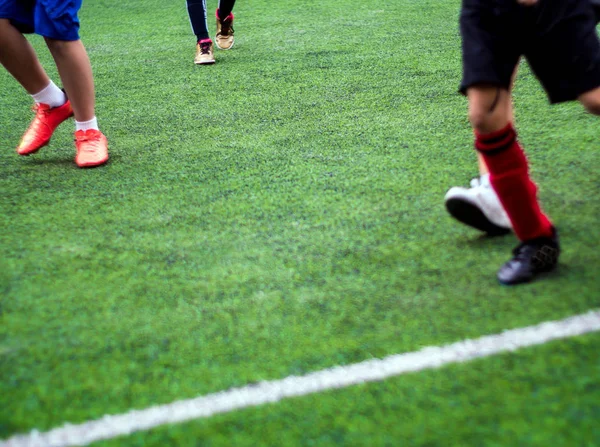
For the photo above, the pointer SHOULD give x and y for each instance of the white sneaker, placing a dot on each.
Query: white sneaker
(478, 207)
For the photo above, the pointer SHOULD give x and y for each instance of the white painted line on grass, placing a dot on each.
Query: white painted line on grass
(338, 377)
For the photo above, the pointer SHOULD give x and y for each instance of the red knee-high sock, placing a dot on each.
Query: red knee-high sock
(509, 176)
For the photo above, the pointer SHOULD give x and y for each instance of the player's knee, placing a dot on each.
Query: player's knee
(489, 108)
(593, 106)
(591, 101)
(481, 118)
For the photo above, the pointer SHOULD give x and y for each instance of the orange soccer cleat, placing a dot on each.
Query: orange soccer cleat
(92, 148)
(43, 126)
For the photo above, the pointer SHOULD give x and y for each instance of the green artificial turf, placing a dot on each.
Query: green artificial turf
(539, 396)
(274, 214)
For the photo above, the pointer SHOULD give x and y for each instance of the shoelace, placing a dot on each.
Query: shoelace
(546, 253)
(39, 113)
(93, 143)
(480, 182)
(475, 182)
(205, 48)
(520, 252)
(37, 108)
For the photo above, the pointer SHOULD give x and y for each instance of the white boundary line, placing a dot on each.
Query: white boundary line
(338, 377)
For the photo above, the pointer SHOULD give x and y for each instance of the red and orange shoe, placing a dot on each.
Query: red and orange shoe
(92, 148)
(43, 126)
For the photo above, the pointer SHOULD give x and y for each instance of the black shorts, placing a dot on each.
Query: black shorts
(596, 6)
(557, 37)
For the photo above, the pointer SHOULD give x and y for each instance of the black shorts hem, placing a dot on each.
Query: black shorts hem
(462, 89)
(574, 94)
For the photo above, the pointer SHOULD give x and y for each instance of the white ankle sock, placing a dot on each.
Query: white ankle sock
(86, 125)
(51, 95)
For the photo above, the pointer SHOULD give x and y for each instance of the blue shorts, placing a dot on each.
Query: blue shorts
(56, 19)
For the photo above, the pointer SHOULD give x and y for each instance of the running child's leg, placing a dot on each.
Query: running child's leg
(496, 141)
(75, 72)
(225, 33)
(58, 22)
(19, 58)
(198, 20)
(225, 8)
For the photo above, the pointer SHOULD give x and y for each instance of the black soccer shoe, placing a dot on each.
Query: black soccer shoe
(530, 258)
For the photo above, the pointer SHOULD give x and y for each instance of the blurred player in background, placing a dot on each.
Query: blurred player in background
(479, 206)
(57, 22)
(559, 40)
(224, 36)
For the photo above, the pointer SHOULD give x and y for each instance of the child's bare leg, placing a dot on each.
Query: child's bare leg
(483, 169)
(75, 72)
(19, 58)
(591, 101)
(489, 108)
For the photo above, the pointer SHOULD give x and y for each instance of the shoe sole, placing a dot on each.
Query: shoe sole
(204, 63)
(536, 276)
(92, 165)
(222, 48)
(26, 154)
(472, 216)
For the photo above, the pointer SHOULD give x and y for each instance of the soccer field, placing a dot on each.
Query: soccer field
(280, 213)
